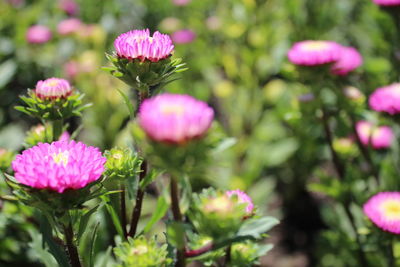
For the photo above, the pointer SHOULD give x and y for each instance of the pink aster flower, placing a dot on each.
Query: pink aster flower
(183, 36)
(38, 34)
(173, 118)
(69, 26)
(59, 166)
(139, 44)
(387, 2)
(243, 198)
(53, 88)
(378, 137)
(383, 209)
(386, 99)
(69, 6)
(314, 53)
(349, 60)
(181, 2)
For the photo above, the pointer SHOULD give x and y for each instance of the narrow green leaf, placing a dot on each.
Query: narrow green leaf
(127, 103)
(159, 212)
(91, 246)
(257, 227)
(84, 221)
(176, 234)
(113, 214)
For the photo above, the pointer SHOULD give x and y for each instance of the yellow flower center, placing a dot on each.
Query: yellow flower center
(314, 45)
(172, 109)
(52, 83)
(138, 250)
(61, 157)
(221, 204)
(391, 209)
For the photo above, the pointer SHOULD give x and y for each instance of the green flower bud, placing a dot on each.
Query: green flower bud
(247, 254)
(142, 252)
(121, 163)
(345, 146)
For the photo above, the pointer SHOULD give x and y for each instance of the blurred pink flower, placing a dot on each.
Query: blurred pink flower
(173, 118)
(138, 44)
(387, 2)
(386, 99)
(38, 34)
(349, 60)
(71, 69)
(314, 53)
(69, 26)
(181, 2)
(53, 88)
(69, 6)
(59, 166)
(242, 198)
(379, 137)
(183, 36)
(383, 209)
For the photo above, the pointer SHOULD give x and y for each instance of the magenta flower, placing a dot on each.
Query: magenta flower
(69, 6)
(53, 88)
(69, 26)
(349, 60)
(173, 118)
(59, 166)
(378, 137)
(386, 99)
(243, 198)
(387, 2)
(138, 44)
(181, 2)
(183, 36)
(383, 209)
(38, 34)
(314, 53)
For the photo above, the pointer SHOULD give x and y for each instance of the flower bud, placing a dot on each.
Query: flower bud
(121, 163)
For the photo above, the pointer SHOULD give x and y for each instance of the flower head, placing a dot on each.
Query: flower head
(242, 198)
(69, 6)
(53, 88)
(138, 44)
(38, 34)
(173, 118)
(314, 53)
(183, 36)
(378, 137)
(387, 2)
(386, 99)
(59, 166)
(69, 26)
(349, 60)
(383, 209)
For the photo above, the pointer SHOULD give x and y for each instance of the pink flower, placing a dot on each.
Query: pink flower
(379, 137)
(387, 2)
(173, 118)
(386, 99)
(139, 44)
(71, 69)
(69, 26)
(349, 60)
(383, 209)
(59, 166)
(183, 36)
(314, 53)
(243, 198)
(181, 2)
(69, 6)
(38, 34)
(53, 88)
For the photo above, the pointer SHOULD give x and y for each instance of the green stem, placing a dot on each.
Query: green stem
(71, 248)
(174, 190)
(390, 249)
(58, 126)
(124, 220)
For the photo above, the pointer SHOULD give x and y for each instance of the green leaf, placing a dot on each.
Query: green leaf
(7, 71)
(91, 246)
(127, 103)
(176, 234)
(113, 214)
(148, 179)
(159, 212)
(132, 185)
(256, 227)
(84, 221)
(40, 252)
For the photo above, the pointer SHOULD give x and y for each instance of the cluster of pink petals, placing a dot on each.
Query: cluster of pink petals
(53, 88)
(377, 137)
(181, 2)
(383, 209)
(243, 198)
(387, 2)
(386, 99)
(59, 166)
(314, 53)
(173, 118)
(349, 60)
(38, 34)
(183, 36)
(69, 6)
(138, 44)
(69, 26)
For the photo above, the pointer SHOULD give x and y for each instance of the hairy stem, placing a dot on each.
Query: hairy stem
(72, 250)
(180, 252)
(124, 220)
(57, 129)
(137, 210)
